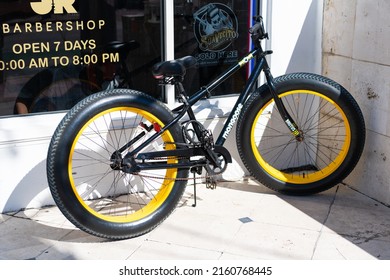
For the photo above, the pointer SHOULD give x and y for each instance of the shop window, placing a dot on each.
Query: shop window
(53, 53)
(216, 33)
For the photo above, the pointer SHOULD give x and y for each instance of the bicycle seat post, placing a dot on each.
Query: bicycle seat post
(181, 91)
(183, 97)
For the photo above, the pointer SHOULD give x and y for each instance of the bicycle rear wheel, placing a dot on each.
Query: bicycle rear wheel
(84, 172)
(329, 120)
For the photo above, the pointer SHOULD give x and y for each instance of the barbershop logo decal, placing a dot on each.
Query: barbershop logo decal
(215, 27)
(45, 7)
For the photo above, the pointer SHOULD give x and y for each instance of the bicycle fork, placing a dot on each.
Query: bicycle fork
(288, 120)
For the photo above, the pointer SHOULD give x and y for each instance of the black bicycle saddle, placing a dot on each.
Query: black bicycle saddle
(173, 68)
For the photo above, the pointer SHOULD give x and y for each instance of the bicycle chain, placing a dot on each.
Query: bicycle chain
(208, 142)
(208, 176)
(173, 179)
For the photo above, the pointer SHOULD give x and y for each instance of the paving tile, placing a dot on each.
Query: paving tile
(31, 252)
(49, 216)
(363, 219)
(187, 227)
(84, 249)
(151, 250)
(237, 221)
(348, 197)
(247, 185)
(4, 217)
(332, 246)
(285, 211)
(228, 203)
(226, 256)
(21, 238)
(267, 241)
(53, 216)
(307, 212)
(28, 213)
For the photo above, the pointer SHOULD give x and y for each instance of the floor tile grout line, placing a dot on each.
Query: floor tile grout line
(324, 222)
(181, 245)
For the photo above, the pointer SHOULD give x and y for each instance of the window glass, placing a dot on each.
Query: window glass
(53, 53)
(216, 33)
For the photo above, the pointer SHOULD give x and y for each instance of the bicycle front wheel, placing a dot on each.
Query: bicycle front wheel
(84, 165)
(332, 129)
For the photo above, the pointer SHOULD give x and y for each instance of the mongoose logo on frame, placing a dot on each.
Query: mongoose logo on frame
(44, 7)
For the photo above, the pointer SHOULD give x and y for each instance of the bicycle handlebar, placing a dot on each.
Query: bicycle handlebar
(257, 31)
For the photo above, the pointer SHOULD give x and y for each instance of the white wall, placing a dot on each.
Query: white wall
(295, 30)
(296, 35)
(356, 49)
(23, 148)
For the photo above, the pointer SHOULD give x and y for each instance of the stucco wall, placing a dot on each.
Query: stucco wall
(356, 53)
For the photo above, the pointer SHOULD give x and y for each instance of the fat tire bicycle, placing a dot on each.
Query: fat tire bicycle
(119, 161)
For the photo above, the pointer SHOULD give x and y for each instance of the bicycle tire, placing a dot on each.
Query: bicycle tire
(330, 121)
(94, 195)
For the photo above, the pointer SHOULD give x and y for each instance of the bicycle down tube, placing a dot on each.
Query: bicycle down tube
(184, 108)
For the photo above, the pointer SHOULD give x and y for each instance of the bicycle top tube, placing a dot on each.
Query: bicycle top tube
(205, 90)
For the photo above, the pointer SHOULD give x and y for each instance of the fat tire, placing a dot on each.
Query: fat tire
(292, 82)
(57, 164)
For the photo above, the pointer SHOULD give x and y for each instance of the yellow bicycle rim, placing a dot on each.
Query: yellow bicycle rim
(314, 176)
(158, 199)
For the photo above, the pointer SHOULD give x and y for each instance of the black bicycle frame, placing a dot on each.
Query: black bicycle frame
(261, 65)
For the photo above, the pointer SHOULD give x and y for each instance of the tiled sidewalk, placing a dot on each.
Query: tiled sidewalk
(236, 221)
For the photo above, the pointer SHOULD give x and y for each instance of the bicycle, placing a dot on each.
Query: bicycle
(119, 161)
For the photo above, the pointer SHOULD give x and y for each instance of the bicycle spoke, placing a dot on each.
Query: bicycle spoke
(321, 126)
(96, 165)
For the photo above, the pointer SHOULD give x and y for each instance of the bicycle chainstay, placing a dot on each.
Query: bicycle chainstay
(202, 146)
(209, 178)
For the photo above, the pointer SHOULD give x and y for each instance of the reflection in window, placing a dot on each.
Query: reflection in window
(215, 32)
(50, 62)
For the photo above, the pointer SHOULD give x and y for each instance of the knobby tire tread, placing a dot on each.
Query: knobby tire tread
(357, 120)
(54, 144)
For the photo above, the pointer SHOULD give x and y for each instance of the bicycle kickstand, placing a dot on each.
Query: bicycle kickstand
(194, 204)
(195, 170)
